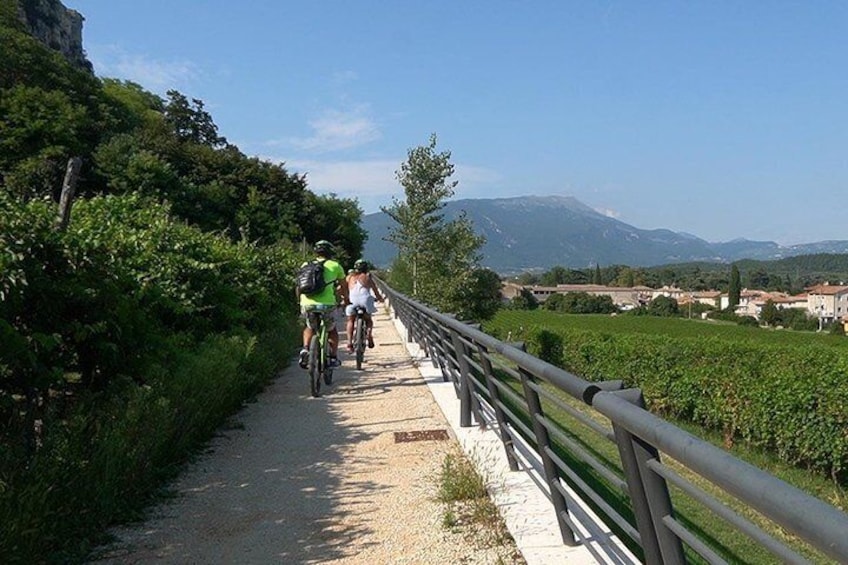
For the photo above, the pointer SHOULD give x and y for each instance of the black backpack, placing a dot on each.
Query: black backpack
(310, 278)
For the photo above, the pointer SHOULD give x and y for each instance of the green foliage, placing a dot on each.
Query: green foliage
(770, 314)
(749, 321)
(337, 220)
(735, 289)
(129, 336)
(597, 278)
(38, 130)
(133, 141)
(561, 275)
(459, 481)
(526, 300)
(481, 299)
(96, 314)
(102, 465)
(797, 319)
(580, 303)
(190, 122)
(736, 380)
(439, 257)
(663, 306)
(788, 275)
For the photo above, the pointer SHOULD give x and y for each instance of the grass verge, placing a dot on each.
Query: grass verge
(469, 509)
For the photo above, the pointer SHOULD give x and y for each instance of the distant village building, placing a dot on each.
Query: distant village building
(751, 302)
(624, 297)
(711, 298)
(828, 302)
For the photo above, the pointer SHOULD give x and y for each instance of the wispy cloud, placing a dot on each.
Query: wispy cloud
(340, 78)
(349, 178)
(608, 212)
(158, 76)
(337, 129)
(374, 182)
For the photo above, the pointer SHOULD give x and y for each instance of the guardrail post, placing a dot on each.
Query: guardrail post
(411, 327)
(543, 441)
(441, 348)
(495, 397)
(464, 382)
(648, 491)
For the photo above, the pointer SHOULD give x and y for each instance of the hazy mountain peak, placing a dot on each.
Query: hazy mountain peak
(539, 232)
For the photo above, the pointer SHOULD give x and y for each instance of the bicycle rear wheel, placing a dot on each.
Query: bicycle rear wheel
(359, 342)
(314, 367)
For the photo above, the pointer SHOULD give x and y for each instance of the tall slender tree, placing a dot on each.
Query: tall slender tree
(734, 291)
(436, 255)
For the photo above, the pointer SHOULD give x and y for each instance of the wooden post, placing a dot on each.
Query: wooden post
(69, 186)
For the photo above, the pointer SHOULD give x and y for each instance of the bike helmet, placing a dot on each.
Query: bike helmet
(361, 266)
(325, 248)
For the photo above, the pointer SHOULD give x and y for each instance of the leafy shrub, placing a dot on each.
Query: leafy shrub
(126, 340)
(663, 306)
(747, 321)
(736, 385)
(580, 303)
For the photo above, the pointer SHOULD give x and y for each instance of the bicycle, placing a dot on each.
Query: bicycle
(359, 336)
(319, 367)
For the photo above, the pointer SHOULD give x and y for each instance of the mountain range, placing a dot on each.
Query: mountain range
(535, 233)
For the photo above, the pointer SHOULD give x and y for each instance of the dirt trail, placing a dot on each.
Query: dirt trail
(305, 480)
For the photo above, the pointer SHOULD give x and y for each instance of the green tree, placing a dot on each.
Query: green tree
(585, 303)
(626, 278)
(555, 302)
(481, 299)
(424, 177)
(339, 221)
(190, 122)
(557, 275)
(597, 279)
(759, 278)
(735, 289)
(440, 255)
(770, 314)
(663, 306)
(39, 131)
(526, 300)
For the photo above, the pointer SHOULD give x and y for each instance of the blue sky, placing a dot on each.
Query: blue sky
(717, 118)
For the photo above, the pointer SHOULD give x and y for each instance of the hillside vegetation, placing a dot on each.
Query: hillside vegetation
(791, 274)
(131, 334)
(736, 380)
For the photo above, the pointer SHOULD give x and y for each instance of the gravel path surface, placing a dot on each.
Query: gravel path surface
(316, 480)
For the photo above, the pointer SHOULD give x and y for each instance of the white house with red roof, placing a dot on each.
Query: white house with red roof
(828, 302)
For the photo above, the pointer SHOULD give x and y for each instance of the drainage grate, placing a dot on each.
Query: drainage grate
(421, 435)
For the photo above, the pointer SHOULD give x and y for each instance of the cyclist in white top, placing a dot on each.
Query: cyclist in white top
(360, 285)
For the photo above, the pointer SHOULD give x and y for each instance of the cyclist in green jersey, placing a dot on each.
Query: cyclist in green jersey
(326, 299)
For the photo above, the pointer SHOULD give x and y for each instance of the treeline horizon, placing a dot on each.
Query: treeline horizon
(790, 274)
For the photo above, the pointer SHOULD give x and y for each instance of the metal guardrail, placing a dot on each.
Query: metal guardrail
(521, 397)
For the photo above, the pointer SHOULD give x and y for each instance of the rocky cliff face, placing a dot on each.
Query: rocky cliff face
(57, 27)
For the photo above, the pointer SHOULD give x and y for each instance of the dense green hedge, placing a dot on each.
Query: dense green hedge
(127, 340)
(791, 399)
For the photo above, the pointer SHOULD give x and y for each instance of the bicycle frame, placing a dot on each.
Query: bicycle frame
(359, 334)
(319, 366)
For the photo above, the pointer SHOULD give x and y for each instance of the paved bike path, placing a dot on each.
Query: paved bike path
(296, 479)
(314, 480)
